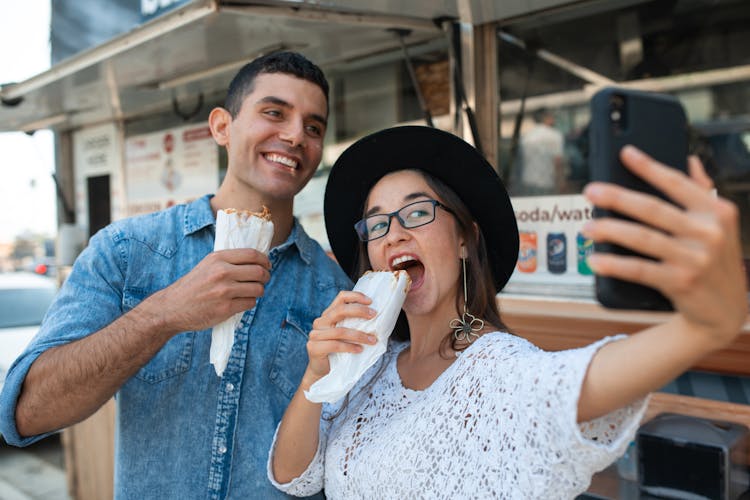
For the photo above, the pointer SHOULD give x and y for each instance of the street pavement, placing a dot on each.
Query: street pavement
(33, 473)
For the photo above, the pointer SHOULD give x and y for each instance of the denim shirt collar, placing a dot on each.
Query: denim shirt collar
(199, 215)
(299, 238)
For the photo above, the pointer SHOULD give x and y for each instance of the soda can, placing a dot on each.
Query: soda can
(557, 253)
(527, 251)
(585, 248)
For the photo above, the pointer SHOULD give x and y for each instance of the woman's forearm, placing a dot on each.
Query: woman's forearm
(298, 436)
(624, 371)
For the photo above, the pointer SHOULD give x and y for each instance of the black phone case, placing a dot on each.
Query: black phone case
(657, 125)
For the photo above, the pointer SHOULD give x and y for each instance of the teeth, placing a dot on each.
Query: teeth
(281, 159)
(401, 260)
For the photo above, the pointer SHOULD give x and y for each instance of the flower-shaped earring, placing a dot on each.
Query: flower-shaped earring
(466, 327)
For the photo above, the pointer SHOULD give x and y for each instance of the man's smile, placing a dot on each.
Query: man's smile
(282, 159)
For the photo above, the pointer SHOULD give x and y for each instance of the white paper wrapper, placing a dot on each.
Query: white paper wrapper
(388, 291)
(236, 229)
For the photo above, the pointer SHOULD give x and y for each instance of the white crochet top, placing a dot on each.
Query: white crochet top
(500, 422)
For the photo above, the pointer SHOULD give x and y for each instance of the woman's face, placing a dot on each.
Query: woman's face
(429, 253)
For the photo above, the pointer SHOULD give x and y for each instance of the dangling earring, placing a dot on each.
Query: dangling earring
(466, 327)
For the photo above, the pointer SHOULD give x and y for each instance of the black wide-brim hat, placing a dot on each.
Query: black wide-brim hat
(443, 155)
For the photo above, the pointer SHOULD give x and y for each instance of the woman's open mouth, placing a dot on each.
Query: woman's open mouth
(412, 265)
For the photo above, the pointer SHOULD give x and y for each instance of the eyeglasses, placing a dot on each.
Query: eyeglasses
(409, 216)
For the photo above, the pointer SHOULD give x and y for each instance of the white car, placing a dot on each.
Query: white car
(24, 298)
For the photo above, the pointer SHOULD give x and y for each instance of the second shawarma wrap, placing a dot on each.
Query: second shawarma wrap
(388, 291)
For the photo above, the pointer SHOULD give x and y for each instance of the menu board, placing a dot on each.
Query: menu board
(170, 167)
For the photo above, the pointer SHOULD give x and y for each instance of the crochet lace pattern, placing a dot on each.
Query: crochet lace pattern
(500, 422)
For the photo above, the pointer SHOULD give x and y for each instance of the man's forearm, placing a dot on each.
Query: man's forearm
(66, 384)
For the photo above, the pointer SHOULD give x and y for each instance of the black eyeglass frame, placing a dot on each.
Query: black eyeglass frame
(361, 226)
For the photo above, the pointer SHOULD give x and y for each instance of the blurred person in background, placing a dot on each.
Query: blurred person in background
(541, 155)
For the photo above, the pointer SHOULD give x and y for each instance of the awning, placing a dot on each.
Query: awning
(190, 53)
(194, 51)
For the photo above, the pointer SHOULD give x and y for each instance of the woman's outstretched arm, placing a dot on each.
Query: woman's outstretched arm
(698, 266)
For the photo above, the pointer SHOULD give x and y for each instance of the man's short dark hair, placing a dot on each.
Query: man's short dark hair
(290, 63)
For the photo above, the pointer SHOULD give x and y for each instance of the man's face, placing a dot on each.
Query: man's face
(275, 142)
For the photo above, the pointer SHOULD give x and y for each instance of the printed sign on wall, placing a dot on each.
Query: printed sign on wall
(552, 248)
(97, 151)
(170, 167)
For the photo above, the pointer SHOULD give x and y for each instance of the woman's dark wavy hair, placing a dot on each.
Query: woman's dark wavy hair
(290, 63)
(481, 301)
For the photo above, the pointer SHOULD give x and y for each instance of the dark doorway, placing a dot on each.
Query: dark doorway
(100, 213)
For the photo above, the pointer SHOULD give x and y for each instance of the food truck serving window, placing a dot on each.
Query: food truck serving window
(696, 51)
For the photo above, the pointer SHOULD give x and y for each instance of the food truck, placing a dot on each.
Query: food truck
(129, 117)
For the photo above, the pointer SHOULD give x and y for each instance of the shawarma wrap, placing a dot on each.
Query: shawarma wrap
(388, 291)
(237, 229)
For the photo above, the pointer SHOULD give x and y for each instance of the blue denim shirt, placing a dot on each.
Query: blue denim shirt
(181, 431)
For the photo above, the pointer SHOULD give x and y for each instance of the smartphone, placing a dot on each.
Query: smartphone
(655, 124)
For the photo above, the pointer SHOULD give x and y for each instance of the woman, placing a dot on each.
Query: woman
(463, 409)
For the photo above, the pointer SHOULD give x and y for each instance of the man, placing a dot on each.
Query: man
(542, 164)
(134, 317)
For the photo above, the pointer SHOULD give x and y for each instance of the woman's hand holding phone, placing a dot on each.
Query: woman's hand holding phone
(692, 246)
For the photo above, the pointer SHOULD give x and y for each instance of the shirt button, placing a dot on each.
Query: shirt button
(222, 449)
(230, 387)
